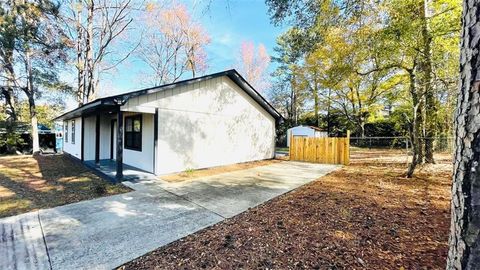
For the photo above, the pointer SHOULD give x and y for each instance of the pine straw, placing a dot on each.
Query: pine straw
(364, 216)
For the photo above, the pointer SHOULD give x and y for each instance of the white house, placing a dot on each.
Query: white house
(213, 120)
(305, 131)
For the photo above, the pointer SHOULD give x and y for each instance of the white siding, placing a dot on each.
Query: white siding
(69, 147)
(105, 129)
(141, 159)
(208, 123)
(89, 138)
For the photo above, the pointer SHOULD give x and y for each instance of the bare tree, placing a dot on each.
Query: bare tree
(95, 26)
(173, 44)
(253, 64)
(464, 241)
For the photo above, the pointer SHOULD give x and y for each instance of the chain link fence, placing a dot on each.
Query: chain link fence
(440, 144)
(402, 146)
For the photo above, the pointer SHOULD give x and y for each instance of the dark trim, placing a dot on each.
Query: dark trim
(82, 137)
(133, 117)
(119, 158)
(112, 130)
(155, 140)
(65, 132)
(112, 103)
(73, 131)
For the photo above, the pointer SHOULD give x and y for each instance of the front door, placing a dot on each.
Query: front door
(113, 140)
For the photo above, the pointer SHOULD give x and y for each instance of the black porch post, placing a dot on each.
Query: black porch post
(155, 140)
(97, 139)
(82, 136)
(119, 142)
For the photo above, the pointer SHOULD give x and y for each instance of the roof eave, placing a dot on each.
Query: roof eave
(121, 99)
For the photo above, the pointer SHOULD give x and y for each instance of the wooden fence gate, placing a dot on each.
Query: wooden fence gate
(330, 150)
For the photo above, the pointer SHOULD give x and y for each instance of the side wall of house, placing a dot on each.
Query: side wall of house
(68, 146)
(208, 123)
(89, 138)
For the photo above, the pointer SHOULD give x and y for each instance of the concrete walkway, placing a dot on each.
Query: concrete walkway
(107, 232)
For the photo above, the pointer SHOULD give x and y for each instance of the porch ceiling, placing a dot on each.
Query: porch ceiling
(89, 109)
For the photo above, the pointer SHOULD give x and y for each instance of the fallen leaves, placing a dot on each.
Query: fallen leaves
(364, 216)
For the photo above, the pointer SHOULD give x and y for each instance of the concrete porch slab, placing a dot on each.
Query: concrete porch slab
(107, 168)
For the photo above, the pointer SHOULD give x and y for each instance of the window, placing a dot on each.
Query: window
(73, 131)
(66, 131)
(133, 132)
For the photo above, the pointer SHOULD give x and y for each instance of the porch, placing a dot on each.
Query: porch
(117, 142)
(108, 169)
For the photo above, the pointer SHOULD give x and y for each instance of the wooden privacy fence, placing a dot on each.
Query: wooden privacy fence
(329, 150)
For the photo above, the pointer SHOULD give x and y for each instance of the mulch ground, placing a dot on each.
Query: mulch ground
(29, 183)
(364, 216)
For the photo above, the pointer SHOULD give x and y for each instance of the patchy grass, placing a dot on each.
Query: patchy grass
(29, 183)
(282, 149)
(364, 216)
(191, 174)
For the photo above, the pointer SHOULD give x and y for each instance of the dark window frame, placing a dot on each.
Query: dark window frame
(73, 132)
(66, 131)
(133, 139)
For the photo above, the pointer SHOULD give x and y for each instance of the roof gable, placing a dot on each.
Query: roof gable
(119, 100)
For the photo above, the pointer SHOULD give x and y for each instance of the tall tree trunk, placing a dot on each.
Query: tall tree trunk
(464, 241)
(315, 100)
(191, 59)
(420, 111)
(430, 102)
(360, 113)
(90, 91)
(415, 126)
(362, 127)
(8, 91)
(294, 100)
(30, 93)
(328, 111)
(8, 94)
(80, 57)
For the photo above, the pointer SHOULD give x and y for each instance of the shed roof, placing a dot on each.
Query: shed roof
(108, 103)
(312, 127)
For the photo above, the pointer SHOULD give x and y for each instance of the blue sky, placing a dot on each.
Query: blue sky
(228, 24)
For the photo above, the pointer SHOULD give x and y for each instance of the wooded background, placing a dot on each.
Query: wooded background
(377, 68)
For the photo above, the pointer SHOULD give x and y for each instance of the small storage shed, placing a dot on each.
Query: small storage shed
(305, 131)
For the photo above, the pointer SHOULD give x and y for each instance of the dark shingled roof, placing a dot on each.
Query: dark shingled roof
(109, 103)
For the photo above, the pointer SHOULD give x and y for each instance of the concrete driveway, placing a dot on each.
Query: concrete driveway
(107, 232)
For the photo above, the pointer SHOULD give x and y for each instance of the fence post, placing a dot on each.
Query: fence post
(347, 150)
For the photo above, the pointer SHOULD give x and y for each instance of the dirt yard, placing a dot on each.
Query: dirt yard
(193, 174)
(364, 216)
(29, 183)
